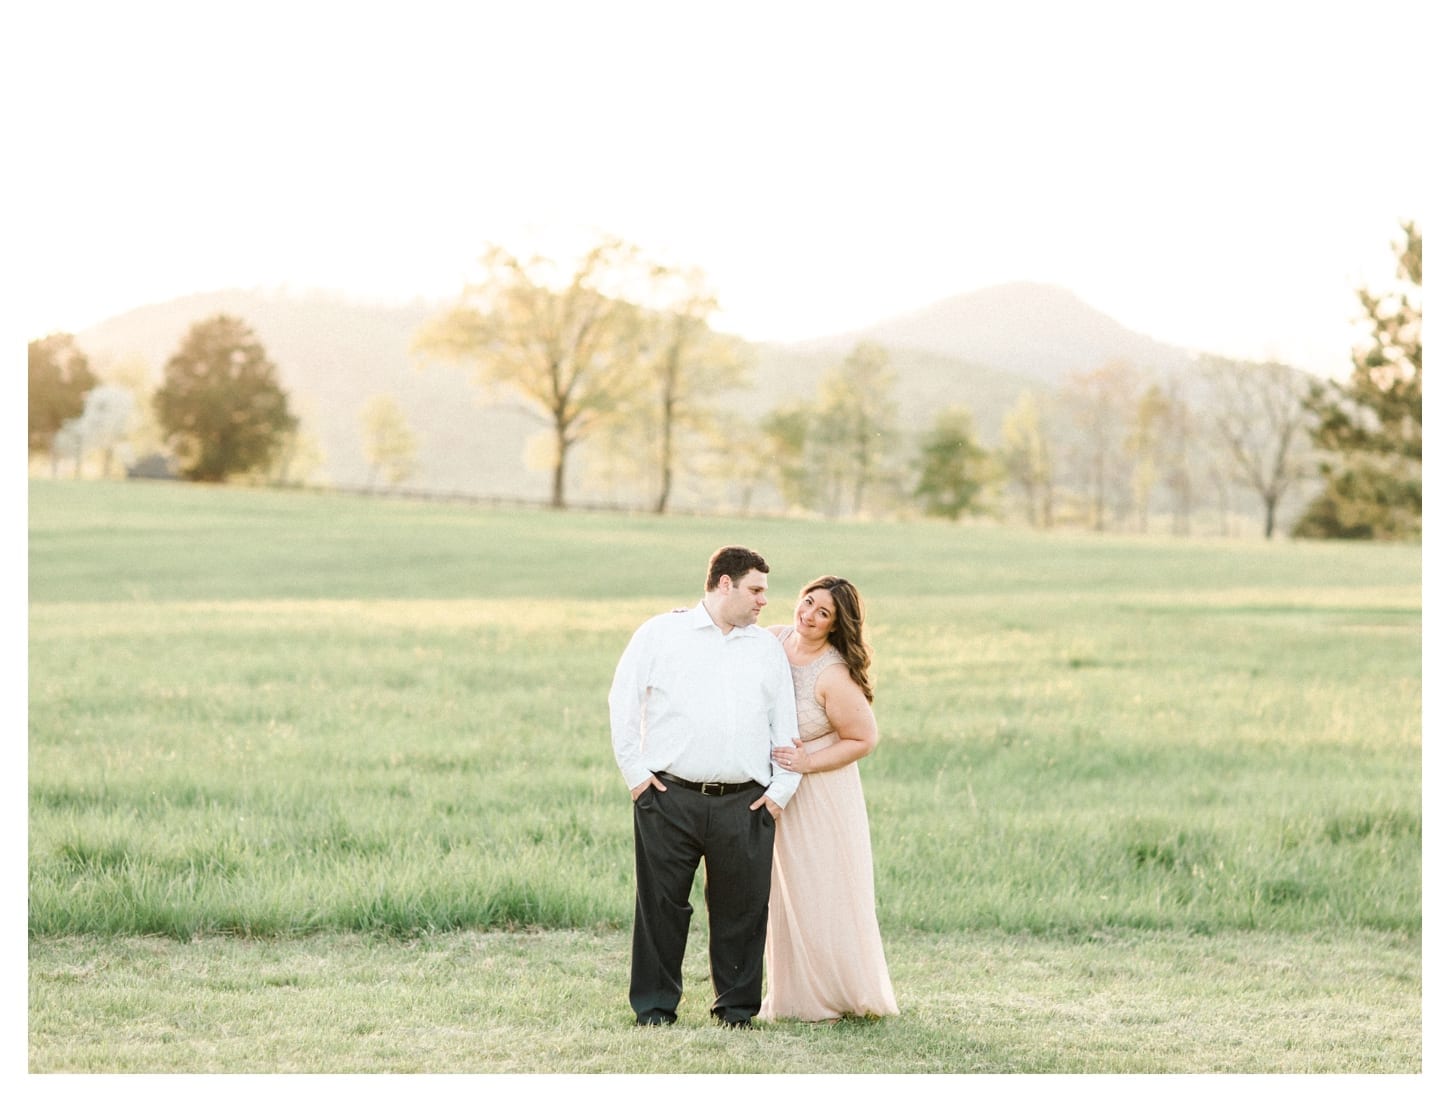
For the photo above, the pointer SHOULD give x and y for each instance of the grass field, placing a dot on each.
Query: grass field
(1139, 804)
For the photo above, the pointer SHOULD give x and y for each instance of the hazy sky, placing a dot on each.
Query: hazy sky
(1217, 175)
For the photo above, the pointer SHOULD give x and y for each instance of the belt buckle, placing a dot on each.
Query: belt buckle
(712, 788)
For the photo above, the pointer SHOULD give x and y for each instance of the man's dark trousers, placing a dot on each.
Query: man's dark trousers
(673, 830)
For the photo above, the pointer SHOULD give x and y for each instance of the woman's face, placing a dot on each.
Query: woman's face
(815, 614)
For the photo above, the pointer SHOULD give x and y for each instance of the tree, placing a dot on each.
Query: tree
(1259, 416)
(786, 434)
(1222, 479)
(688, 366)
(220, 404)
(1176, 439)
(298, 460)
(570, 348)
(388, 441)
(1026, 457)
(1102, 404)
(69, 442)
(952, 469)
(105, 421)
(1161, 444)
(1372, 425)
(1145, 437)
(60, 376)
(731, 455)
(856, 428)
(143, 435)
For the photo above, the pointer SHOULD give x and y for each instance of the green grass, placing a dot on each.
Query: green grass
(311, 719)
(550, 1001)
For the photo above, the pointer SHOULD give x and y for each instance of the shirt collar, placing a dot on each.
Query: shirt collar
(701, 618)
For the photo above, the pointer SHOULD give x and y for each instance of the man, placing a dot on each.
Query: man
(699, 698)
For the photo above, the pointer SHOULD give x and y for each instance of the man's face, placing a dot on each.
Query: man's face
(743, 600)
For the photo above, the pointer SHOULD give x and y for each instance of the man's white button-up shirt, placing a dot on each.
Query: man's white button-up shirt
(703, 704)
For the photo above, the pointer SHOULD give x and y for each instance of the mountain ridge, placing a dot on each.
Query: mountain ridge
(986, 326)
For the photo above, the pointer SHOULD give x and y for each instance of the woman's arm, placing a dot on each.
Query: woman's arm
(850, 714)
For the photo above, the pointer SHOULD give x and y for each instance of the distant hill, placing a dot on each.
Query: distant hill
(981, 350)
(1029, 330)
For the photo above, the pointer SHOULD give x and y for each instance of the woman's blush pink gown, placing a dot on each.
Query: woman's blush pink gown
(823, 954)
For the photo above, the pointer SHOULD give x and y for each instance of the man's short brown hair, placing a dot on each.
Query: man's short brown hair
(734, 562)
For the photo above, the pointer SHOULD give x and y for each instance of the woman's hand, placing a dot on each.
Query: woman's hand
(792, 758)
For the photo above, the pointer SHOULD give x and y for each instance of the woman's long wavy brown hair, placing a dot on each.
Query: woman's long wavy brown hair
(848, 630)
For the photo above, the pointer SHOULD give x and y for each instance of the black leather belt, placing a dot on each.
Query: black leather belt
(707, 788)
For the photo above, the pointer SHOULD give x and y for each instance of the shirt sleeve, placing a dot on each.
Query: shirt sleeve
(626, 708)
(783, 730)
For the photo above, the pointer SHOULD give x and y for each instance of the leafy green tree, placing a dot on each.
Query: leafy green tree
(220, 405)
(60, 376)
(728, 459)
(388, 441)
(144, 436)
(688, 366)
(953, 468)
(1145, 444)
(857, 425)
(1372, 425)
(1025, 454)
(570, 346)
(786, 433)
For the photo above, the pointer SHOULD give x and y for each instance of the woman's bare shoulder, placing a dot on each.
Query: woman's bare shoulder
(836, 677)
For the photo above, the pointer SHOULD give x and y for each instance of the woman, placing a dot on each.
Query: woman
(823, 956)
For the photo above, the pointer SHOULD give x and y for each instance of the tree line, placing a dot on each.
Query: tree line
(616, 356)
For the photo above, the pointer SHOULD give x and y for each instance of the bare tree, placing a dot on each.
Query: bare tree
(1260, 419)
(1102, 404)
(1178, 443)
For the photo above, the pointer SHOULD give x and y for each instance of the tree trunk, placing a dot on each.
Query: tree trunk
(561, 445)
(667, 462)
